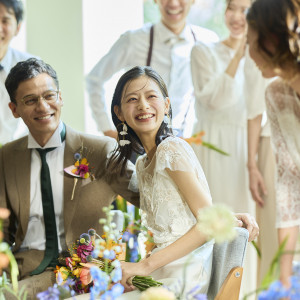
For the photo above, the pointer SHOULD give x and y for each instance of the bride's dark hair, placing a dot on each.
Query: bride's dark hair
(118, 160)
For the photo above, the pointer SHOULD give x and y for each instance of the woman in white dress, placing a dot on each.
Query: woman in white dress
(218, 78)
(274, 44)
(171, 182)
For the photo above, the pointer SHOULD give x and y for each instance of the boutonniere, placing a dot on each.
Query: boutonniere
(81, 168)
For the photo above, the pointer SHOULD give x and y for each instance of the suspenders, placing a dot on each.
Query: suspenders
(149, 57)
(148, 63)
(150, 46)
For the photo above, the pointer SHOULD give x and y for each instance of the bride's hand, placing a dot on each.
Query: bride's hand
(130, 270)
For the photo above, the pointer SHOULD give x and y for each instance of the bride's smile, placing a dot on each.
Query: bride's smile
(143, 107)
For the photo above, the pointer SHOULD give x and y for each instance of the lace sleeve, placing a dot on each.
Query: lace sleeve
(288, 175)
(177, 155)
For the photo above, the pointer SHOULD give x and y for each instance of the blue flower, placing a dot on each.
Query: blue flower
(116, 274)
(100, 278)
(95, 252)
(114, 293)
(276, 291)
(77, 156)
(116, 264)
(200, 297)
(117, 289)
(51, 294)
(126, 236)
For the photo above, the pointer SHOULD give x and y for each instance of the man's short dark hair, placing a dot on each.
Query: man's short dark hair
(16, 6)
(25, 70)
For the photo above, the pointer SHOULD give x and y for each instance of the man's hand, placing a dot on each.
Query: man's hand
(257, 185)
(247, 221)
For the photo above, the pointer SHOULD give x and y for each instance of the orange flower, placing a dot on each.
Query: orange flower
(85, 276)
(196, 138)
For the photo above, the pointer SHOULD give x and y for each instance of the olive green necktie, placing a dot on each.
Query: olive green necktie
(51, 251)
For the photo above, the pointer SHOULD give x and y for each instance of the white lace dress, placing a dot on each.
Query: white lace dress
(283, 108)
(167, 215)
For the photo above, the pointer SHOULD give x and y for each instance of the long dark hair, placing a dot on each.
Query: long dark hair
(118, 161)
(270, 19)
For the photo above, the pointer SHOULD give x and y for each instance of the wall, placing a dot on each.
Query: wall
(72, 35)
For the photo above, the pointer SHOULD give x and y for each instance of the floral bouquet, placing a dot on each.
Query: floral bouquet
(93, 263)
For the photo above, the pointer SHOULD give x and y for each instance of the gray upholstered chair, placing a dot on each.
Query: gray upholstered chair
(227, 270)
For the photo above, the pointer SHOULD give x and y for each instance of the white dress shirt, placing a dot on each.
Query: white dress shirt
(35, 236)
(170, 58)
(10, 127)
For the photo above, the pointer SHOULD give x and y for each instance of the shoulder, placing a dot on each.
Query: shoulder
(137, 33)
(277, 91)
(205, 48)
(277, 86)
(16, 144)
(173, 144)
(205, 35)
(99, 143)
(20, 55)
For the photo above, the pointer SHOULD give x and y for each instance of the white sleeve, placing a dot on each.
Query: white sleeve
(115, 60)
(254, 88)
(214, 90)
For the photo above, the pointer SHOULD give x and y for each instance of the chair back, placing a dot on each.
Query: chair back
(226, 256)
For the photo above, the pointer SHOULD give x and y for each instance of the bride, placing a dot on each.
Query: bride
(171, 182)
(170, 179)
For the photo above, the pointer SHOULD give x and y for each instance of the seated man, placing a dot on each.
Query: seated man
(49, 207)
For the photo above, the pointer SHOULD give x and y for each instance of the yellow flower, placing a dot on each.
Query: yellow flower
(75, 258)
(157, 293)
(64, 273)
(76, 272)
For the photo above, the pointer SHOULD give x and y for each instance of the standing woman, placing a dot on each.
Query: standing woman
(274, 44)
(220, 108)
(218, 78)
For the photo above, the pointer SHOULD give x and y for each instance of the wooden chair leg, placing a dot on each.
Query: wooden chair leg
(231, 287)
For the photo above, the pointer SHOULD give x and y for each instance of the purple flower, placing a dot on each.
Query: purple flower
(84, 250)
(82, 170)
(51, 294)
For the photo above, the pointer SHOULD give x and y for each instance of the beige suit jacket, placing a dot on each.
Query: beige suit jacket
(80, 214)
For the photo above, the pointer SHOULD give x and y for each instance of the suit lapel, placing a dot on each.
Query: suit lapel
(22, 162)
(73, 143)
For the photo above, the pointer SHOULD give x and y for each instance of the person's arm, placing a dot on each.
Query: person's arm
(235, 62)
(214, 87)
(256, 181)
(196, 198)
(115, 60)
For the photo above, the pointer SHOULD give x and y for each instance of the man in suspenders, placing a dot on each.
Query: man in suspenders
(164, 46)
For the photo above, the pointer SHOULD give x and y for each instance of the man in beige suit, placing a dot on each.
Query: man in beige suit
(35, 97)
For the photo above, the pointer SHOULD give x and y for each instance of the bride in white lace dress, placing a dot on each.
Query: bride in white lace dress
(171, 182)
(279, 55)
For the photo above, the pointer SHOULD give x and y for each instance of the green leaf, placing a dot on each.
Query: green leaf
(273, 271)
(213, 147)
(256, 248)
